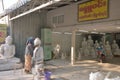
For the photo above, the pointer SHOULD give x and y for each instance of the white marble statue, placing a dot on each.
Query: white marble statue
(107, 77)
(115, 48)
(93, 53)
(7, 52)
(56, 51)
(90, 46)
(85, 50)
(96, 76)
(90, 41)
(103, 40)
(108, 49)
(96, 44)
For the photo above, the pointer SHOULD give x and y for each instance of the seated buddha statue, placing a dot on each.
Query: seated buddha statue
(7, 51)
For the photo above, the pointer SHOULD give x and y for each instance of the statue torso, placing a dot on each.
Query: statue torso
(7, 50)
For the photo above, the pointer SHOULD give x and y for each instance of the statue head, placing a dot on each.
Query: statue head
(8, 40)
(96, 41)
(37, 42)
(89, 37)
(84, 39)
(107, 42)
(114, 41)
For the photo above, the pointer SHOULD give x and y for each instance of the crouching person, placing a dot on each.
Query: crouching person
(38, 58)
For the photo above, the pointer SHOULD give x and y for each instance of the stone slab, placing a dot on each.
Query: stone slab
(10, 66)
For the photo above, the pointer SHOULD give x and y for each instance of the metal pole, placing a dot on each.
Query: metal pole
(73, 48)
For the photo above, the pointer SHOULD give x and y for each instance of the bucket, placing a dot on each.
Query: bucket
(47, 75)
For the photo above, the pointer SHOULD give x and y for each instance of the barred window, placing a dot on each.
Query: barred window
(58, 19)
(55, 20)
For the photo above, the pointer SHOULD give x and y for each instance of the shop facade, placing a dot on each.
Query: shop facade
(69, 24)
(96, 18)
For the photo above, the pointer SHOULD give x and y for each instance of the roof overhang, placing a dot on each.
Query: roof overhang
(34, 5)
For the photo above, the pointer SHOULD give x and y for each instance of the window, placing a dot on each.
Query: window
(55, 20)
(58, 19)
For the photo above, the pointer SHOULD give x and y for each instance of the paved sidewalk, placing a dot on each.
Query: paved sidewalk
(62, 70)
(82, 69)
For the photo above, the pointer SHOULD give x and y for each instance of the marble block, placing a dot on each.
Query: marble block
(10, 64)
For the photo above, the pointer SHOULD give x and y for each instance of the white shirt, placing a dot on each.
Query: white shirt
(38, 54)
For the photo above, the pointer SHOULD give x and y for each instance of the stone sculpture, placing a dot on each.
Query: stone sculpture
(108, 49)
(7, 55)
(115, 48)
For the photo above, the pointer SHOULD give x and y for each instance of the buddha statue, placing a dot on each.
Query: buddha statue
(7, 51)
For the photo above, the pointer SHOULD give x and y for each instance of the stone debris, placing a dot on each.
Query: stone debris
(108, 75)
(100, 76)
(96, 76)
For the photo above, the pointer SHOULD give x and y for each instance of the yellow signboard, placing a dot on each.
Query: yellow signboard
(2, 35)
(91, 10)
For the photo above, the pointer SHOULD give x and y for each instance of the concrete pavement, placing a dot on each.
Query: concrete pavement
(63, 70)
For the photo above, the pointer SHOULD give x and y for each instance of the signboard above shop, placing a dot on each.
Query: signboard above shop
(92, 10)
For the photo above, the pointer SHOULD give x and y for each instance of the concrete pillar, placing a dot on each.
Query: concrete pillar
(10, 24)
(73, 48)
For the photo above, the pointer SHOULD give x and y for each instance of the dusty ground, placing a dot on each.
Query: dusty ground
(62, 70)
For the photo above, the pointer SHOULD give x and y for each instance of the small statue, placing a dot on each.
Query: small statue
(56, 51)
(108, 49)
(84, 43)
(90, 41)
(90, 45)
(115, 48)
(85, 50)
(96, 45)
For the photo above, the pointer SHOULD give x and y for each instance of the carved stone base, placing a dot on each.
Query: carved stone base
(10, 64)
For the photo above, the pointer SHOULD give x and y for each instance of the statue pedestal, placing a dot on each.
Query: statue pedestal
(9, 64)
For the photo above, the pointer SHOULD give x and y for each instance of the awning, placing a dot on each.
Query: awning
(30, 6)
